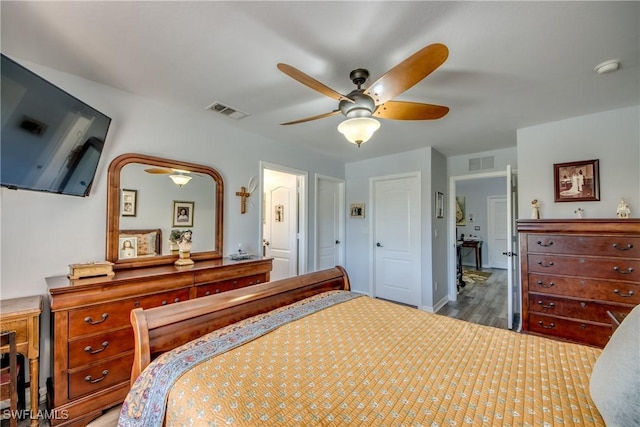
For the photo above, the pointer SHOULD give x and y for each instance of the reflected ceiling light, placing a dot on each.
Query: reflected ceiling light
(358, 130)
(180, 179)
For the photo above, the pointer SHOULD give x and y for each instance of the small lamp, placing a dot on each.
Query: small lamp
(180, 179)
(358, 130)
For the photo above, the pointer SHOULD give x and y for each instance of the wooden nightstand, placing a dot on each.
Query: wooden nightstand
(23, 316)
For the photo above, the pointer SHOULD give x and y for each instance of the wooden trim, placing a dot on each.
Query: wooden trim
(160, 329)
(596, 226)
(113, 210)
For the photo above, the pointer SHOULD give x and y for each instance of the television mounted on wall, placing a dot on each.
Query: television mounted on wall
(51, 141)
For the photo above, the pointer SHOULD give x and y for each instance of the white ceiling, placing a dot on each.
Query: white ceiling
(510, 65)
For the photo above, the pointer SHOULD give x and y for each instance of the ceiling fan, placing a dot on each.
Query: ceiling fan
(179, 177)
(360, 106)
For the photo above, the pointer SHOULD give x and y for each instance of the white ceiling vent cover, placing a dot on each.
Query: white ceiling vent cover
(481, 163)
(225, 110)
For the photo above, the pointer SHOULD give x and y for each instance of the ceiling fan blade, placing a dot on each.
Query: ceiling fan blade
(311, 82)
(402, 110)
(308, 119)
(158, 171)
(408, 73)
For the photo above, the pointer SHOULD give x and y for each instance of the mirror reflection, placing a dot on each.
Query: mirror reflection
(151, 201)
(162, 206)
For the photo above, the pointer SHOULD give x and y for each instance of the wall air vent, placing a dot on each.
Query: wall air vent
(481, 163)
(225, 110)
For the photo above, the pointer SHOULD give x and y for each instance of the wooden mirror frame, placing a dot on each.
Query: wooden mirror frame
(113, 210)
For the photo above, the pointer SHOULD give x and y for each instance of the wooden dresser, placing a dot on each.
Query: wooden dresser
(574, 272)
(92, 334)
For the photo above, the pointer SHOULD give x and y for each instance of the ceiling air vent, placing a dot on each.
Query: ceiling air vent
(225, 110)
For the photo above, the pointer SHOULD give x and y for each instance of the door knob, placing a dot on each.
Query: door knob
(378, 245)
(337, 242)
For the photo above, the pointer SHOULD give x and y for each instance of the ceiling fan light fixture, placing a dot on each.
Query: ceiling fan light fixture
(180, 179)
(358, 130)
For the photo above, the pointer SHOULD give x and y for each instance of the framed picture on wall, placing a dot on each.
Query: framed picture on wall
(439, 205)
(460, 211)
(183, 214)
(128, 202)
(357, 210)
(576, 181)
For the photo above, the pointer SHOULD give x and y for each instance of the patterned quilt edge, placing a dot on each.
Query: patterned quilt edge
(145, 403)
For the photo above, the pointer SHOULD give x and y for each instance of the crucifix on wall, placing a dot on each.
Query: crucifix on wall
(243, 194)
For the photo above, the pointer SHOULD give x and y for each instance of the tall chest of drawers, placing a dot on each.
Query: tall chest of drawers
(92, 335)
(574, 272)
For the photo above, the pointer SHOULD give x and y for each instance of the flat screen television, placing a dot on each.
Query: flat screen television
(51, 141)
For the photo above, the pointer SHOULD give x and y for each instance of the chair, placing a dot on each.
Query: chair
(9, 375)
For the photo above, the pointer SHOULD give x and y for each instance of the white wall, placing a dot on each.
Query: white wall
(613, 137)
(41, 234)
(358, 249)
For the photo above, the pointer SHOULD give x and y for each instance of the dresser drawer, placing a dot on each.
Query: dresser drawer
(616, 246)
(98, 347)
(227, 285)
(593, 289)
(98, 377)
(602, 268)
(584, 332)
(584, 310)
(112, 315)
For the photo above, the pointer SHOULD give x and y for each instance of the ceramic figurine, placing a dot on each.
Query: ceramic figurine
(623, 210)
(579, 212)
(535, 209)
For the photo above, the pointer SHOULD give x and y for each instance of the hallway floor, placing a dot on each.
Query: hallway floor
(482, 303)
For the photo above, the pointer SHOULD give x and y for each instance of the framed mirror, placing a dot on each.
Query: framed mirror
(149, 197)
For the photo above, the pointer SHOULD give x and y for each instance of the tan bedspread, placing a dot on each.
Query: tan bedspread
(371, 362)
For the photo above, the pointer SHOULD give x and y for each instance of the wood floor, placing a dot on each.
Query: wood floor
(483, 303)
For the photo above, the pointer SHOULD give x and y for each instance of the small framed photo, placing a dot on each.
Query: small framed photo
(357, 210)
(576, 181)
(439, 205)
(129, 202)
(183, 214)
(128, 247)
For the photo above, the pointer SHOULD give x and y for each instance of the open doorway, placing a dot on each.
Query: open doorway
(284, 219)
(481, 238)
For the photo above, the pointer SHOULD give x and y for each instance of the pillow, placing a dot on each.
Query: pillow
(615, 380)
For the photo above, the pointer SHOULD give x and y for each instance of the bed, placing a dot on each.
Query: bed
(307, 351)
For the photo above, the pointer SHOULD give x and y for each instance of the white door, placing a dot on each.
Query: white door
(329, 223)
(281, 223)
(497, 232)
(396, 238)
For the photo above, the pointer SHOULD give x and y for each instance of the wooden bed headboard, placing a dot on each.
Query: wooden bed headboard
(160, 329)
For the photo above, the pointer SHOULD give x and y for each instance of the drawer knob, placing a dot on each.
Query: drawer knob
(136, 304)
(583, 326)
(91, 380)
(622, 248)
(549, 326)
(583, 304)
(90, 321)
(258, 282)
(208, 293)
(88, 348)
(545, 244)
(550, 305)
(628, 294)
(176, 300)
(628, 271)
(164, 302)
(544, 285)
(549, 264)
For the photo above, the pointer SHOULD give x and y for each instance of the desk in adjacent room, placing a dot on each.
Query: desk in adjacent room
(477, 246)
(23, 316)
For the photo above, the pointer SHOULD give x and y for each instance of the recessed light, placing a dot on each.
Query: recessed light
(607, 67)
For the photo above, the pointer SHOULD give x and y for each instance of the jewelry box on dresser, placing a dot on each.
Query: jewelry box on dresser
(92, 334)
(576, 274)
